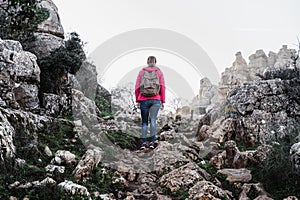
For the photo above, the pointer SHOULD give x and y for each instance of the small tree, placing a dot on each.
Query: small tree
(56, 66)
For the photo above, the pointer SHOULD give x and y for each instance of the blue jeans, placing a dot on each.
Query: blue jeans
(149, 111)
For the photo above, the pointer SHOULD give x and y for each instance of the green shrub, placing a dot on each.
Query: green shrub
(102, 182)
(103, 105)
(277, 173)
(56, 66)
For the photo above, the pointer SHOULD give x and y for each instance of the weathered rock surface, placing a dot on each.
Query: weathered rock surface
(233, 76)
(19, 77)
(261, 111)
(240, 72)
(7, 132)
(183, 177)
(254, 188)
(295, 156)
(208, 94)
(50, 33)
(207, 190)
(25, 127)
(86, 81)
(88, 162)
(236, 175)
(74, 189)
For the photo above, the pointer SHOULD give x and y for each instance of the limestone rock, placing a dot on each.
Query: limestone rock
(183, 177)
(26, 126)
(256, 188)
(262, 105)
(107, 196)
(261, 154)
(88, 162)
(165, 156)
(74, 189)
(291, 198)
(295, 156)
(7, 132)
(208, 94)
(46, 181)
(65, 156)
(54, 104)
(50, 33)
(236, 175)
(52, 168)
(234, 158)
(52, 24)
(284, 57)
(237, 74)
(48, 151)
(207, 190)
(19, 76)
(86, 81)
(257, 64)
(83, 108)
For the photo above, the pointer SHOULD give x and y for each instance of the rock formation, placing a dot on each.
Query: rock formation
(241, 72)
(20, 77)
(208, 95)
(50, 33)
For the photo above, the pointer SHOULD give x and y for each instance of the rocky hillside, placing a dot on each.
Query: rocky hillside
(60, 139)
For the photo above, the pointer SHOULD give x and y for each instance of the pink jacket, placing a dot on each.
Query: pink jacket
(161, 96)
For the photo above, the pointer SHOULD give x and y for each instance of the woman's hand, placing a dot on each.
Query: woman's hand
(162, 106)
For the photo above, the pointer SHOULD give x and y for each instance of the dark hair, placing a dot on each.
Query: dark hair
(151, 58)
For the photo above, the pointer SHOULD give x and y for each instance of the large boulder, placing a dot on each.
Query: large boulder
(207, 190)
(21, 130)
(237, 74)
(257, 64)
(19, 77)
(50, 33)
(183, 177)
(86, 81)
(262, 111)
(7, 132)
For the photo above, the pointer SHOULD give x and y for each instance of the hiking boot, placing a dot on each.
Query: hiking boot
(151, 145)
(144, 146)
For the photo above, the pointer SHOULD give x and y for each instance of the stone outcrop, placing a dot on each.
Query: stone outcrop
(88, 162)
(236, 175)
(207, 190)
(86, 81)
(181, 178)
(74, 189)
(7, 132)
(261, 111)
(233, 76)
(255, 189)
(25, 127)
(50, 33)
(19, 77)
(208, 94)
(240, 72)
(295, 156)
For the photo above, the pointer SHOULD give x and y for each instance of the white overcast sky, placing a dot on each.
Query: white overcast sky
(220, 27)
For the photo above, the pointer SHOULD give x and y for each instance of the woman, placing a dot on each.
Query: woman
(150, 96)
